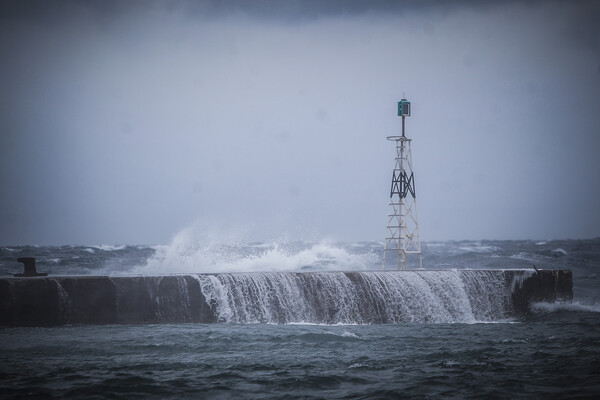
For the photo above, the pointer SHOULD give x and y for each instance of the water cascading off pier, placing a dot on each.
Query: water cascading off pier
(369, 297)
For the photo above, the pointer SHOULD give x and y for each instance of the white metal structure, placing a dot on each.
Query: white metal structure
(403, 227)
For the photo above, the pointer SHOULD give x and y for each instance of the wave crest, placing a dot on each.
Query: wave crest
(186, 254)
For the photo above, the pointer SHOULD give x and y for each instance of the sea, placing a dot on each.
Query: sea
(553, 352)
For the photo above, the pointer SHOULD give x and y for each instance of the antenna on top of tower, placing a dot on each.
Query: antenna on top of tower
(403, 227)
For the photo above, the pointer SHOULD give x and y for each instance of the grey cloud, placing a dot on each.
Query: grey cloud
(124, 122)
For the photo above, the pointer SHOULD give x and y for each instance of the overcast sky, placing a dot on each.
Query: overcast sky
(126, 122)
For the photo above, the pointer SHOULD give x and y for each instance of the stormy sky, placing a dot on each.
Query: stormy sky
(126, 122)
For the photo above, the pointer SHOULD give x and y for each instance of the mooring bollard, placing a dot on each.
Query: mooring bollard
(29, 268)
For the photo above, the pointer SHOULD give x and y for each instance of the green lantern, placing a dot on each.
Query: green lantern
(404, 108)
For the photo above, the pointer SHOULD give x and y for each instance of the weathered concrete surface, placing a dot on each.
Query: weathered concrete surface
(160, 299)
(544, 285)
(101, 300)
(29, 302)
(51, 301)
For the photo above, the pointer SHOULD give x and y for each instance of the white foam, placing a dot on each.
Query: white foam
(560, 251)
(450, 363)
(479, 249)
(107, 247)
(522, 256)
(343, 334)
(436, 244)
(544, 307)
(321, 324)
(357, 365)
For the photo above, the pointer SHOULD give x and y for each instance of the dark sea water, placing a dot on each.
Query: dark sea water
(552, 353)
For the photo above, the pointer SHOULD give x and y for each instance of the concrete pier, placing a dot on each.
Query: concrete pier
(52, 301)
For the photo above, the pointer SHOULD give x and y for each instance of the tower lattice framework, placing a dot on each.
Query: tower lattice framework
(402, 228)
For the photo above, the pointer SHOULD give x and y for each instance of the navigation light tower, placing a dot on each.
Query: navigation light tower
(403, 227)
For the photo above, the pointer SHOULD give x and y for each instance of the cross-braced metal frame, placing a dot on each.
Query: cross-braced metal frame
(403, 227)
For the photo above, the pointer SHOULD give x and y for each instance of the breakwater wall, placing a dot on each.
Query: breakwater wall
(285, 297)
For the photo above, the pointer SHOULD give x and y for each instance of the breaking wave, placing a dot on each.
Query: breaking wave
(185, 254)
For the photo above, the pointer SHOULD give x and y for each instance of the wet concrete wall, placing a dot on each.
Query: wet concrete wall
(543, 286)
(51, 301)
(101, 300)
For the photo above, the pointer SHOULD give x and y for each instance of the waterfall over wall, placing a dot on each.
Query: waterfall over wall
(358, 297)
(371, 297)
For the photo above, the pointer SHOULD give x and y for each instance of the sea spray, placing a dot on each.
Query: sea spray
(187, 254)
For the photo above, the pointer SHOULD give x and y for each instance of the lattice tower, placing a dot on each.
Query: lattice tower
(403, 228)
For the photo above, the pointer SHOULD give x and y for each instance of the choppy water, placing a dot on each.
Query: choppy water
(553, 353)
(554, 357)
